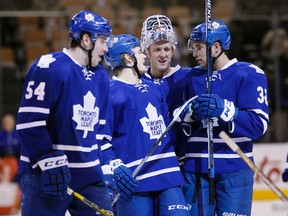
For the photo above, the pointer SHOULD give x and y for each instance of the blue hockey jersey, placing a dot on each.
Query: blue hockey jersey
(138, 118)
(64, 108)
(173, 85)
(246, 85)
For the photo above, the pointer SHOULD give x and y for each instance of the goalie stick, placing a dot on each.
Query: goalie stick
(89, 203)
(251, 164)
(211, 173)
(155, 145)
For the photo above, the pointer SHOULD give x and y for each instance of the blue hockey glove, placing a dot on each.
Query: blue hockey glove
(125, 182)
(211, 105)
(55, 175)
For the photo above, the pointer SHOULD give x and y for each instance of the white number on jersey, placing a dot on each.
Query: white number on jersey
(39, 91)
(262, 95)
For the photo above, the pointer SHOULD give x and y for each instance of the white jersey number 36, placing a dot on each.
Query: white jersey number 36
(39, 91)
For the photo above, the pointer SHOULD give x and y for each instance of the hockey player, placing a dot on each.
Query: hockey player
(158, 41)
(138, 118)
(61, 114)
(238, 105)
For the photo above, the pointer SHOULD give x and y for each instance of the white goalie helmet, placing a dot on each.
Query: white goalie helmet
(157, 28)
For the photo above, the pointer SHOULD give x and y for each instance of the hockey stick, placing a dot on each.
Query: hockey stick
(89, 203)
(250, 163)
(211, 174)
(155, 145)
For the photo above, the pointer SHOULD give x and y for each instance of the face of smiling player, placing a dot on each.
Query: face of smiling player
(160, 54)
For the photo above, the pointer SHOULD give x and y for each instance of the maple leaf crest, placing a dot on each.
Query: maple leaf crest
(86, 116)
(45, 61)
(154, 124)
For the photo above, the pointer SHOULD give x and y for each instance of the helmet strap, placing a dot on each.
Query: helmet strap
(135, 67)
(89, 51)
(215, 58)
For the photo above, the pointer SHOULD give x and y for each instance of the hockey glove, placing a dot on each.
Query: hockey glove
(55, 175)
(211, 105)
(125, 182)
(186, 114)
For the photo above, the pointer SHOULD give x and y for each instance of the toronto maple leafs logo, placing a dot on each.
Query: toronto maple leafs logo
(86, 116)
(142, 87)
(45, 61)
(215, 76)
(87, 73)
(153, 125)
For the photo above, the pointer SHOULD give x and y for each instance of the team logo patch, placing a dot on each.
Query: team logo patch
(154, 125)
(86, 116)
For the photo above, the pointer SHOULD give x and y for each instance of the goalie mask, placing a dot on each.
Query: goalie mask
(157, 28)
(219, 32)
(86, 21)
(122, 43)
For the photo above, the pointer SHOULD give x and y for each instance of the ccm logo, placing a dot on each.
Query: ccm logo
(50, 163)
(56, 163)
(173, 207)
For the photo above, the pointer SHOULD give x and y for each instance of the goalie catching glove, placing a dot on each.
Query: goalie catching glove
(125, 182)
(55, 175)
(211, 105)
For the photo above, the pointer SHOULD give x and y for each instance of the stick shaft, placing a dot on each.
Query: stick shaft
(211, 174)
(253, 167)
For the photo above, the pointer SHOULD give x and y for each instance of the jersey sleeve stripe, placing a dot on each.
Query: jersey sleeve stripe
(217, 140)
(158, 172)
(34, 110)
(102, 121)
(260, 112)
(75, 148)
(106, 146)
(151, 158)
(84, 165)
(200, 155)
(30, 125)
(102, 136)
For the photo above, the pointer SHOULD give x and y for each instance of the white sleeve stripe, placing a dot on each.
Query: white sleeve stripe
(158, 172)
(24, 158)
(102, 136)
(218, 140)
(75, 148)
(265, 125)
(102, 121)
(34, 109)
(219, 156)
(106, 146)
(84, 165)
(151, 158)
(30, 125)
(259, 111)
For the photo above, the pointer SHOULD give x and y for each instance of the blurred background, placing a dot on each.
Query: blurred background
(259, 29)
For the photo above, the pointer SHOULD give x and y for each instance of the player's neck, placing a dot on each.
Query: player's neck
(221, 62)
(159, 73)
(128, 75)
